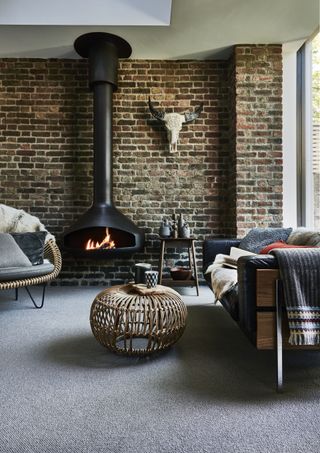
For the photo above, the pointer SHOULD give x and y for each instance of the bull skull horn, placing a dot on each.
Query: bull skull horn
(189, 117)
(156, 113)
(173, 122)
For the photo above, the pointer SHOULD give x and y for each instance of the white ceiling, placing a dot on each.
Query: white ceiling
(199, 29)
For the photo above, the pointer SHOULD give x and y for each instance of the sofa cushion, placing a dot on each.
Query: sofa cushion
(304, 236)
(32, 244)
(212, 247)
(18, 273)
(11, 254)
(258, 238)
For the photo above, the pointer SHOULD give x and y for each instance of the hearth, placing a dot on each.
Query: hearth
(103, 231)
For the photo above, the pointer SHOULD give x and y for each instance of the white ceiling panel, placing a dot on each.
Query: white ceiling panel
(84, 12)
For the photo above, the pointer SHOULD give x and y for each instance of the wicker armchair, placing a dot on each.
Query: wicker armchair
(52, 253)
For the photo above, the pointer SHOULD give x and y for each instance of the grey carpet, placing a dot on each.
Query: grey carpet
(213, 392)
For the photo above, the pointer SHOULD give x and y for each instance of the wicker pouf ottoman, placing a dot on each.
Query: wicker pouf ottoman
(133, 320)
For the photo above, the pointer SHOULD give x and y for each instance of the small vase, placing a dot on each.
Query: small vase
(185, 232)
(180, 225)
(164, 230)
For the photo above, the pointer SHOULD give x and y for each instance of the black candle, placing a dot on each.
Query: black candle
(139, 272)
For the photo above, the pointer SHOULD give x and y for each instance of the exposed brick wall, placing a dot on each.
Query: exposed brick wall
(225, 177)
(258, 136)
(46, 150)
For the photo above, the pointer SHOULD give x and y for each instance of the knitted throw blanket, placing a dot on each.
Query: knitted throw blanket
(300, 275)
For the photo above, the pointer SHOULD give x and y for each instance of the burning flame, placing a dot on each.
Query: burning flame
(106, 243)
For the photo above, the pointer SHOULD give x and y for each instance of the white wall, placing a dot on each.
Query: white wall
(289, 135)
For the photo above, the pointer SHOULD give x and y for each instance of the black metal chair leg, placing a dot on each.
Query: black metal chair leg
(16, 293)
(279, 337)
(43, 296)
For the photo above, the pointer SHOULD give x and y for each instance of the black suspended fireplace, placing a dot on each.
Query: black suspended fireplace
(103, 231)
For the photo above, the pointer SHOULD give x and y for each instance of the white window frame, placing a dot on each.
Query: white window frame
(307, 139)
(289, 135)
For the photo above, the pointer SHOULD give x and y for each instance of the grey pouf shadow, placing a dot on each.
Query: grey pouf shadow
(85, 352)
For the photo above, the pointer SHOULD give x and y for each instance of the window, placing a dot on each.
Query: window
(308, 133)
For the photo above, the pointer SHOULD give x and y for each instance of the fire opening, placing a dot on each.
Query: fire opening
(99, 242)
(105, 244)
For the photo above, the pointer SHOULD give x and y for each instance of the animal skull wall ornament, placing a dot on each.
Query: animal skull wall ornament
(173, 122)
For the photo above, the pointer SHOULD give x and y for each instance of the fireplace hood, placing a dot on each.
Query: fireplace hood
(103, 218)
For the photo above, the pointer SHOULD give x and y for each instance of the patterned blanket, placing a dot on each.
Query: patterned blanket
(300, 275)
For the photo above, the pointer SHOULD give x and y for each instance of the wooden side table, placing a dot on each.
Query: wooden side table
(179, 243)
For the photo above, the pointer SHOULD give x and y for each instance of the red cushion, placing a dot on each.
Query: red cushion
(283, 245)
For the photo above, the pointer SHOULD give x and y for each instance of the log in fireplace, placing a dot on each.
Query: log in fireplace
(103, 232)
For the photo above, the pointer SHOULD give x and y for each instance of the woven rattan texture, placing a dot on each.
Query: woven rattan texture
(52, 253)
(133, 324)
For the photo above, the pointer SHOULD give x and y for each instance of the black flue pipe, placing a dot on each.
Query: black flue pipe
(103, 51)
(102, 139)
